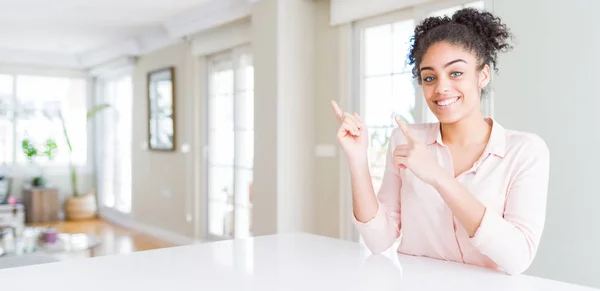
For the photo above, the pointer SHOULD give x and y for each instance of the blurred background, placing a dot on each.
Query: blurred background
(132, 125)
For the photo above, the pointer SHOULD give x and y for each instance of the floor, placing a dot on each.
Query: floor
(114, 239)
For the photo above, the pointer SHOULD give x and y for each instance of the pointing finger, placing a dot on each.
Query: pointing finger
(405, 130)
(337, 110)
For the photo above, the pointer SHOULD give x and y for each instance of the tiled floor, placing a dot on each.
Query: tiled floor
(114, 239)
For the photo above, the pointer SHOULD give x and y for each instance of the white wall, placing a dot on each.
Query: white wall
(547, 85)
(284, 60)
(296, 125)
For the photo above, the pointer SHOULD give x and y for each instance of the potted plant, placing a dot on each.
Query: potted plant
(32, 152)
(80, 205)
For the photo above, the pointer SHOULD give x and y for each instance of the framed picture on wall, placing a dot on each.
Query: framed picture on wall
(161, 109)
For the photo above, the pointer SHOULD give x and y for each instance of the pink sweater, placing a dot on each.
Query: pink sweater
(510, 179)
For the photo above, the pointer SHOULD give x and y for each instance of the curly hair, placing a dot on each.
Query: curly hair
(477, 31)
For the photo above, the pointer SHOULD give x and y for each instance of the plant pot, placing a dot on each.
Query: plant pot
(38, 181)
(81, 207)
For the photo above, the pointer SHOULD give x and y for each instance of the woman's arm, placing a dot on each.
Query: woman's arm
(364, 201)
(377, 223)
(467, 209)
(377, 218)
(510, 239)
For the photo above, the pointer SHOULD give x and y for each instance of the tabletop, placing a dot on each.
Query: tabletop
(274, 262)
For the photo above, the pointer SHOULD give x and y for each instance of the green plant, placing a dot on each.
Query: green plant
(73, 172)
(50, 149)
(31, 151)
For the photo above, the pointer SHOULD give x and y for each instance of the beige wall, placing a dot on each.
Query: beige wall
(163, 181)
(284, 59)
(264, 46)
(327, 202)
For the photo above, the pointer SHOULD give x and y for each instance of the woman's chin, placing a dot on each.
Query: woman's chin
(448, 117)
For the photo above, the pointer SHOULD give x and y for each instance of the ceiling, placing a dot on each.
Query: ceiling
(75, 27)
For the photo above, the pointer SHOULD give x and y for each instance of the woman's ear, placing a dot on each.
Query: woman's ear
(484, 76)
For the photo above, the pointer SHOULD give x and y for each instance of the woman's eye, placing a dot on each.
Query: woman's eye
(456, 74)
(428, 79)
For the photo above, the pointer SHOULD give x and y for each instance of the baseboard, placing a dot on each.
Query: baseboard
(127, 221)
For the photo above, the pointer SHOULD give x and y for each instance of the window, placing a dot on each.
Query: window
(230, 143)
(114, 185)
(386, 86)
(30, 107)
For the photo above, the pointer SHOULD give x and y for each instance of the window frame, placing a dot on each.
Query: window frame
(358, 90)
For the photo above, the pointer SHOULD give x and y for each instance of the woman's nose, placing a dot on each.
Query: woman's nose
(443, 86)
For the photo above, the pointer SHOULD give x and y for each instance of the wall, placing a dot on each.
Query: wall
(327, 199)
(265, 49)
(296, 91)
(284, 59)
(163, 182)
(547, 86)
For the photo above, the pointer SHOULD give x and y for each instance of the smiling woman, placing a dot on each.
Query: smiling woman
(462, 189)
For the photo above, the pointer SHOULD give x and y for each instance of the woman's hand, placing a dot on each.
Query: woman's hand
(352, 134)
(415, 157)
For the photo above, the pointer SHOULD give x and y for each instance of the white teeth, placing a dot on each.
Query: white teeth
(447, 101)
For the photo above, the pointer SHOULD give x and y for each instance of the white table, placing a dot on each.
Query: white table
(279, 262)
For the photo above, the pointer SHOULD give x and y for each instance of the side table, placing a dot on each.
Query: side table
(41, 204)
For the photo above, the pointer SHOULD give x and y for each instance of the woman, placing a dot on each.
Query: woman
(464, 189)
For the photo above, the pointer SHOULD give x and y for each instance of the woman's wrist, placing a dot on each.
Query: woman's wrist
(443, 180)
(359, 161)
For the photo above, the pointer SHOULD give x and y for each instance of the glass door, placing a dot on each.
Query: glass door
(230, 144)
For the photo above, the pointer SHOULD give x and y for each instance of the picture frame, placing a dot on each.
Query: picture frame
(161, 109)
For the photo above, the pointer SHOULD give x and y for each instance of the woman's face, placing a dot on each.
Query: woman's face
(452, 82)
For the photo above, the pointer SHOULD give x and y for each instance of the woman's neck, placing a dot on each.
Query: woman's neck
(473, 129)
